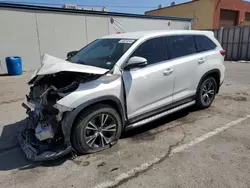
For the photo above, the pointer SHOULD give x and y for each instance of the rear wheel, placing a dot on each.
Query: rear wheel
(98, 128)
(206, 93)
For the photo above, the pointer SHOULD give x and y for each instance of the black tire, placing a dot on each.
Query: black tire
(202, 103)
(84, 126)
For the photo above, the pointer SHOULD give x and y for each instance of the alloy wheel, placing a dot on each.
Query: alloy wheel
(100, 131)
(208, 92)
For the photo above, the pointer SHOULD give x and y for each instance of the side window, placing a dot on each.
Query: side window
(154, 50)
(203, 43)
(181, 45)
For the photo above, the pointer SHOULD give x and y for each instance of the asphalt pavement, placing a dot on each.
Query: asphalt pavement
(207, 148)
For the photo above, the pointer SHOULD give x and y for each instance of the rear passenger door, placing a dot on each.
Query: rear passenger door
(209, 51)
(189, 66)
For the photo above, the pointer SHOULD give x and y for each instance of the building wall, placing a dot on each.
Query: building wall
(32, 33)
(61, 33)
(19, 38)
(236, 5)
(123, 24)
(200, 11)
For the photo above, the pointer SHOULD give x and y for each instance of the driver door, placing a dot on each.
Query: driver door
(150, 88)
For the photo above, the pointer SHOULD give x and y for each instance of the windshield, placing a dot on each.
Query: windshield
(103, 53)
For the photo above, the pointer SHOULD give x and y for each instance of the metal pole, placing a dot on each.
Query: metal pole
(248, 44)
(239, 42)
(242, 43)
(233, 45)
(220, 35)
(227, 58)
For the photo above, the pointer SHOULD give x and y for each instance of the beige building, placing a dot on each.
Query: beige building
(208, 14)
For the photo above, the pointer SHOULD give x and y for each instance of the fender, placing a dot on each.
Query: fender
(70, 117)
(206, 74)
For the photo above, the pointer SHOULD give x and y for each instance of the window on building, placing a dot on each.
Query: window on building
(228, 18)
(247, 18)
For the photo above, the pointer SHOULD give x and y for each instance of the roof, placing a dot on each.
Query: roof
(171, 6)
(64, 10)
(146, 34)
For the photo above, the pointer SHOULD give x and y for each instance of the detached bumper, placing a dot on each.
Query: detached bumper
(36, 150)
(33, 154)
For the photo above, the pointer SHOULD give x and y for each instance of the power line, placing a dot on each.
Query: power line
(80, 5)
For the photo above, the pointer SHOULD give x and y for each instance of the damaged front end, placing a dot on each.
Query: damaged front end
(44, 139)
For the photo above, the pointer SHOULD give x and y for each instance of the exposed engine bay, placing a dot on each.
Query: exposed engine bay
(51, 88)
(43, 139)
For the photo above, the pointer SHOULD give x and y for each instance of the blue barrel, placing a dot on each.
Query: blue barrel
(14, 65)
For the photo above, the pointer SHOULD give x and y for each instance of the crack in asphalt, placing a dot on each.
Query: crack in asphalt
(11, 101)
(157, 161)
(179, 123)
(226, 114)
(136, 172)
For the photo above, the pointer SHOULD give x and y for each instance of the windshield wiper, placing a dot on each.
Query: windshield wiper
(80, 62)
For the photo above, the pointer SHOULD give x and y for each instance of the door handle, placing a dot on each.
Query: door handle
(201, 61)
(167, 72)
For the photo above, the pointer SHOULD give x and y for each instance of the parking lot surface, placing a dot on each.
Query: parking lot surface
(207, 148)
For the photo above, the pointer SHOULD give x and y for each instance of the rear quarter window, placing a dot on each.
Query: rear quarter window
(203, 43)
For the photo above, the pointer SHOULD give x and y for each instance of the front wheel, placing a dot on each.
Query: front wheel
(206, 93)
(98, 128)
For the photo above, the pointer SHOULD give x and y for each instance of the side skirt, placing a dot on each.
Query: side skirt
(160, 115)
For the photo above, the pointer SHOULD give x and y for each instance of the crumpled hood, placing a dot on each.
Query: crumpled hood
(52, 65)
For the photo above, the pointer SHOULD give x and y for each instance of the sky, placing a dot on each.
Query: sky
(125, 6)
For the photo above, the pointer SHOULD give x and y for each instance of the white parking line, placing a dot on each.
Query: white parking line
(207, 135)
(131, 173)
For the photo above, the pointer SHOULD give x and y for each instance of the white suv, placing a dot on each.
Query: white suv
(116, 83)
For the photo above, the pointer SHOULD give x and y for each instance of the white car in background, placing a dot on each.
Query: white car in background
(116, 83)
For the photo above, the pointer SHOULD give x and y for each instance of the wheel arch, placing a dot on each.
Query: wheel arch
(71, 117)
(215, 73)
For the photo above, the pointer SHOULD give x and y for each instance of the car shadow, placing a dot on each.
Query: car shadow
(157, 123)
(9, 133)
(4, 74)
(11, 155)
(15, 159)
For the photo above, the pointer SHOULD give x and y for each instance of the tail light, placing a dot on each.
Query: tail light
(223, 52)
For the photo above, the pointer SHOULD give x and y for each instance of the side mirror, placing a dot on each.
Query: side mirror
(70, 54)
(136, 61)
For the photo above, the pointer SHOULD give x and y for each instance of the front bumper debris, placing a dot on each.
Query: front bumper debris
(36, 150)
(25, 138)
